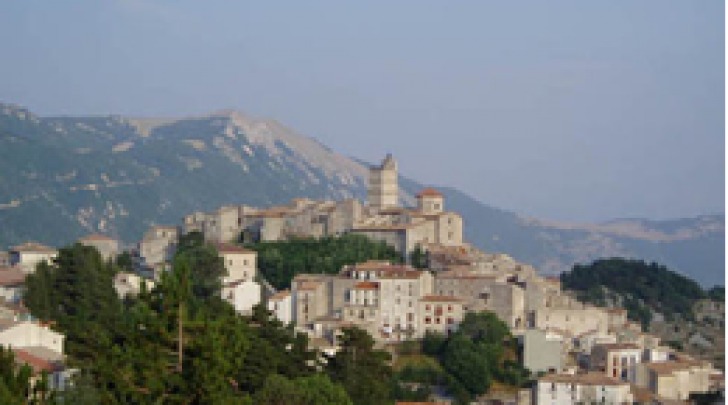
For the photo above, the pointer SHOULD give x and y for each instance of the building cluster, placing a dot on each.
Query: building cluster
(582, 353)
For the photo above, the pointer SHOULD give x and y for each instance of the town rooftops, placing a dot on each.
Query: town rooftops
(668, 367)
(581, 379)
(230, 248)
(10, 276)
(429, 192)
(280, 295)
(33, 247)
(439, 298)
(383, 269)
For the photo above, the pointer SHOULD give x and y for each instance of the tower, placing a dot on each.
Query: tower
(383, 189)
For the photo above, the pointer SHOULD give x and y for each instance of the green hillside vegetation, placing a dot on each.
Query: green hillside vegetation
(467, 363)
(642, 287)
(280, 261)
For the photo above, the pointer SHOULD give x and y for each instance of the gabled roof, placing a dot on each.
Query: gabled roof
(10, 276)
(33, 247)
(280, 295)
(37, 361)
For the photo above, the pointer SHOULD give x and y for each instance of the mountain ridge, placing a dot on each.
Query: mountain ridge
(62, 177)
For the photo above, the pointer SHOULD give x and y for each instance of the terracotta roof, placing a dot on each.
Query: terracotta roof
(33, 247)
(11, 276)
(280, 295)
(366, 285)
(429, 192)
(230, 248)
(582, 379)
(668, 367)
(96, 236)
(439, 298)
(37, 363)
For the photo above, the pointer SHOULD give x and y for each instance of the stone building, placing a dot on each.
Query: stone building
(108, 247)
(542, 351)
(568, 389)
(675, 380)
(383, 188)
(157, 248)
(616, 360)
(281, 305)
(439, 313)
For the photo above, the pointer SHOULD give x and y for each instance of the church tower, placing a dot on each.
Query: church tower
(383, 190)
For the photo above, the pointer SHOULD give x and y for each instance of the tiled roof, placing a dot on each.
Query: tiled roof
(429, 192)
(280, 295)
(11, 276)
(37, 363)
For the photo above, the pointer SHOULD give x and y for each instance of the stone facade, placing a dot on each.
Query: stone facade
(30, 254)
(239, 262)
(383, 189)
(157, 248)
(108, 247)
(566, 389)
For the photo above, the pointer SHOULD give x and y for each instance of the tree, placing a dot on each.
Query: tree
(419, 258)
(363, 371)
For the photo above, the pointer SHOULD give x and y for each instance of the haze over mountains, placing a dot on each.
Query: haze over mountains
(64, 177)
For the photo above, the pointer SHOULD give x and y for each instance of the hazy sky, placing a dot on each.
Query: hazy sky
(576, 110)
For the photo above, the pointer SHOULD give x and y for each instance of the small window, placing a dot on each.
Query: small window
(428, 320)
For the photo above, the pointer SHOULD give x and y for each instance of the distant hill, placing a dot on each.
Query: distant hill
(62, 177)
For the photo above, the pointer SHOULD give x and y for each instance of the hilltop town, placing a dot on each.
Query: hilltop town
(575, 352)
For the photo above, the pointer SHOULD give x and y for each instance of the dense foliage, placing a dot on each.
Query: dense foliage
(643, 288)
(176, 344)
(481, 351)
(280, 261)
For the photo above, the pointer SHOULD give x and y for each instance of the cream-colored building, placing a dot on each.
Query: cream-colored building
(385, 298)
(28, 255)
(12, 284)
(675, 380)
(24, 334)
(569, 389)
(311, 296)
(108, 247)
(240, 263)
(243, 295)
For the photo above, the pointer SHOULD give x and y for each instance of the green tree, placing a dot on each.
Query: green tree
(363, 371)
(419, 258)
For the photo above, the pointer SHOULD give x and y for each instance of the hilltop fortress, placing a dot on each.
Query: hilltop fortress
(381, 218)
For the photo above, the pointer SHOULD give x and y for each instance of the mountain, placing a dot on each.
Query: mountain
(62, 177)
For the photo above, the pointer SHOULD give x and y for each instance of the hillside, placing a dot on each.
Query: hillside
(62, 177)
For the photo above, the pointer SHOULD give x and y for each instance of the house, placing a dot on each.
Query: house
(616, 360)
(12, 284)
(281, 305)
(29, 254)
(240, 263)
(108, 247)
(310, 294)
(568, 389)
(243, 295)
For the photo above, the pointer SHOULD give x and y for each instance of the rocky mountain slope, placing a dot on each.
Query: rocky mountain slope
(62, 177)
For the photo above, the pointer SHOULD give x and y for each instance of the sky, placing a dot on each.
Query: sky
(563, 110)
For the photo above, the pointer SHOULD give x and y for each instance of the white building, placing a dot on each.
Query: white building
(30, 334)
(281, 305)
(616, 360)
(29, 254)
(568, 389)
(243, 295)
(130, 284)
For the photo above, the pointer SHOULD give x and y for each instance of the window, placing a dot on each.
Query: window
(428, 320)
(427, 307)
(450, 321)
(449, 308)
(437, 321)
(410, 317)
(230, 262)
(245, 262)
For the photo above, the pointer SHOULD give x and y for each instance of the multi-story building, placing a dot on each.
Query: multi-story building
(239, 262)
(616, 360)
(543, 351)
(383, 191)
(281, 305)
(568, 389)
(157, 248)
(311, 297)
(243, 295)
